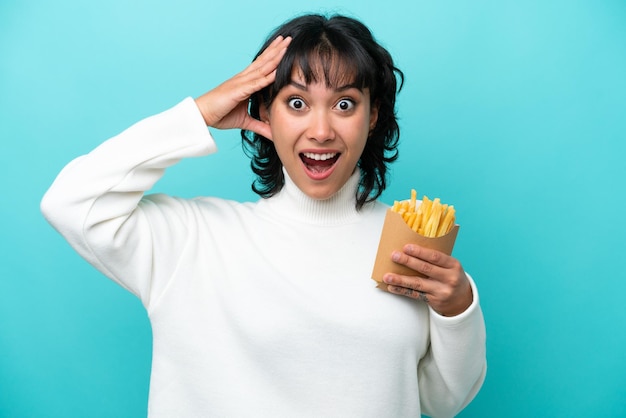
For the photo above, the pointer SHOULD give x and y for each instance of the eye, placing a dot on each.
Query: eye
(296, 103)
(345, 104)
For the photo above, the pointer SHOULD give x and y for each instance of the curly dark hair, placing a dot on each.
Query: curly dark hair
(331, 45)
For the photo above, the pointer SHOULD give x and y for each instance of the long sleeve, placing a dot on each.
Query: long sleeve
(454, 368)
(96, 200)
(233, 317)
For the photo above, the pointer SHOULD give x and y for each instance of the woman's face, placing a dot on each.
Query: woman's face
(319, 133)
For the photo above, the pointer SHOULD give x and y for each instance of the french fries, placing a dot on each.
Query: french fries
(430, 218)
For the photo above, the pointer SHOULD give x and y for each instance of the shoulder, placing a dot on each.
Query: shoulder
(203, 203)
(375, 210)
(379, 207)
(193, 210)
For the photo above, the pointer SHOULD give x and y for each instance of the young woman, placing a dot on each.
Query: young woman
(267, 308)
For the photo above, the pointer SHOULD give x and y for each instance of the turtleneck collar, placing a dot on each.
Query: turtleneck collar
(292, 203)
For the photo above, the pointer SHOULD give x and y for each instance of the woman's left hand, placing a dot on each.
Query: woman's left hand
(445, 288)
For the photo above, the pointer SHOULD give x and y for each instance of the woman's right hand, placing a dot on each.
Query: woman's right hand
(226, 106)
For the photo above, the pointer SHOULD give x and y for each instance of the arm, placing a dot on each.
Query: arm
(96, 201)
(453, 370)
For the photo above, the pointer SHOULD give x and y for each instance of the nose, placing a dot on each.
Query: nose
(320, 127)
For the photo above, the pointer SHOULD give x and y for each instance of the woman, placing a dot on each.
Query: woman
(267, 308)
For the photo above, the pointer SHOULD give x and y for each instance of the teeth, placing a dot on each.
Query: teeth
(320, 157)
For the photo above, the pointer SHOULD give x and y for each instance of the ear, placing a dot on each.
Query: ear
(264, 113)
(373, 115)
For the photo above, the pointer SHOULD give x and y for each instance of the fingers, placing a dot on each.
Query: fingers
(262, 72)
(445, 300)
(411, 293)
(259, 127)
(442, 284)
(431, 263)
(267, 62)
(412, 286)
(226, 106)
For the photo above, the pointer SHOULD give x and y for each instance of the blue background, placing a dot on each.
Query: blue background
(513, 111)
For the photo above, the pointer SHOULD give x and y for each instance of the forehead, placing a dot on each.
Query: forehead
(333, 71)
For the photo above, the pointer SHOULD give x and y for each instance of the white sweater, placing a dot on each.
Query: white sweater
(260, 309)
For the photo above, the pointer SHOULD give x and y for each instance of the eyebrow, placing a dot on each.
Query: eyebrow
(338, 89)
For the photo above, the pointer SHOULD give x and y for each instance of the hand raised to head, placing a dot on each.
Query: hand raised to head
(226, 106)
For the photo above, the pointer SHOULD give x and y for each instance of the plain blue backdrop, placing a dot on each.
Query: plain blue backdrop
(513, 111)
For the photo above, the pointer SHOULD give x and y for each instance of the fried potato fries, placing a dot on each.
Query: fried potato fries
(430, 218)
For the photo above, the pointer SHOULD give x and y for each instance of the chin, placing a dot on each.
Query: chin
(320, 194)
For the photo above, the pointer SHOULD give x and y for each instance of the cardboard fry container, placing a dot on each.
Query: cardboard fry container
(395, 235)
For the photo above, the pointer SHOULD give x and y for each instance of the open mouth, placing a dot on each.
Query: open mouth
(319, 163)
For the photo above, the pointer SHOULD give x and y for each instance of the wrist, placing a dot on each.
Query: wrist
(460, 305)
